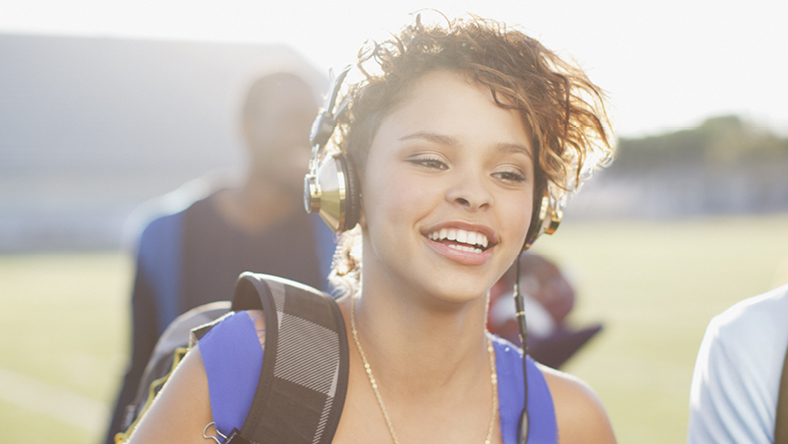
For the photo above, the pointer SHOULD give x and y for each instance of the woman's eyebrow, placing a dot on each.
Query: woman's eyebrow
(432, 137)
(515, 148)
(443, 139)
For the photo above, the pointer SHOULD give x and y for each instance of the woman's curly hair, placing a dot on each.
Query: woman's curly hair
(561, 108)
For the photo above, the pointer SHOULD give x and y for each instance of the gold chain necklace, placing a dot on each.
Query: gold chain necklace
(493, 378)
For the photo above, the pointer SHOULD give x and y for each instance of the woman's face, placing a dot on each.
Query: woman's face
(447, 191)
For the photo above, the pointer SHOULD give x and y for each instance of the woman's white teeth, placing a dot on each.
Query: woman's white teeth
(474, 239)
(464, 248)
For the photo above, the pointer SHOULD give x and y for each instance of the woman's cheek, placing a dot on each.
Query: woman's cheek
(519, 220)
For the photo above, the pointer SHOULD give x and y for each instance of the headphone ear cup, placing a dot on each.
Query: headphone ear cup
(536, 224)
(352, 192)
(539, 213)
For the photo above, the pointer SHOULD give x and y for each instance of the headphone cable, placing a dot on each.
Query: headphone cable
(521, 324)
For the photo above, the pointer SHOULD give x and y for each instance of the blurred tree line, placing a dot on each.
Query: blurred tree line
(718, 141)
(724, 166)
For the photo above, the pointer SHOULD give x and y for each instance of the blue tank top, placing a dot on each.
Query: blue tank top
(232, 357)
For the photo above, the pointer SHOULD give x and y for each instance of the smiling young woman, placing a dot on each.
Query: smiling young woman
(446, 158)
(456, 135)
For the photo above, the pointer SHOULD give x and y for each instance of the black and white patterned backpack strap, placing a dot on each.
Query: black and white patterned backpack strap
(303, 380)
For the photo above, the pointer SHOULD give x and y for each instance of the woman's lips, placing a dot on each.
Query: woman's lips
(457, 252)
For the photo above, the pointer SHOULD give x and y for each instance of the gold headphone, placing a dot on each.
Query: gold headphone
(332, 188)
(545, 219)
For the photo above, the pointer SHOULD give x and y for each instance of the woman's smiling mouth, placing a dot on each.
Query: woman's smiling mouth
(467, 245)
(463, 240)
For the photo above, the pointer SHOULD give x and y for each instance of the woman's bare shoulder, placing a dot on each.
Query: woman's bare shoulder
(580, 414)
(182, 409)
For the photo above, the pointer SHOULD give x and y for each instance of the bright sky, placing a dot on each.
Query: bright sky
(665, 65)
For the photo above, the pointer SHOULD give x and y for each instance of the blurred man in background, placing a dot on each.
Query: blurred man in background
(193, 255)
(736, 383)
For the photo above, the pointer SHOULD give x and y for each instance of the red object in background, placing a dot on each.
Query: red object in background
(549, 298)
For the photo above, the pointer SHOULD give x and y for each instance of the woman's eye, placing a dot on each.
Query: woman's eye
(511, 176)
(429, 162)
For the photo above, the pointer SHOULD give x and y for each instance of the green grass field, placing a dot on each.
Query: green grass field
(654, 284)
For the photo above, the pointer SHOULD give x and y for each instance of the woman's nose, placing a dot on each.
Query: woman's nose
(470, 191)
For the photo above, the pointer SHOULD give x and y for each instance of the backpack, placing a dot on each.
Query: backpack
(303, 380)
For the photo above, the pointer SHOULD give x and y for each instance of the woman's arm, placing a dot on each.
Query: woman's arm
(181, 410)
(580, 415)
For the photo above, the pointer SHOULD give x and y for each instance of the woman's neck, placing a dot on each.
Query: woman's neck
(417, 344)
